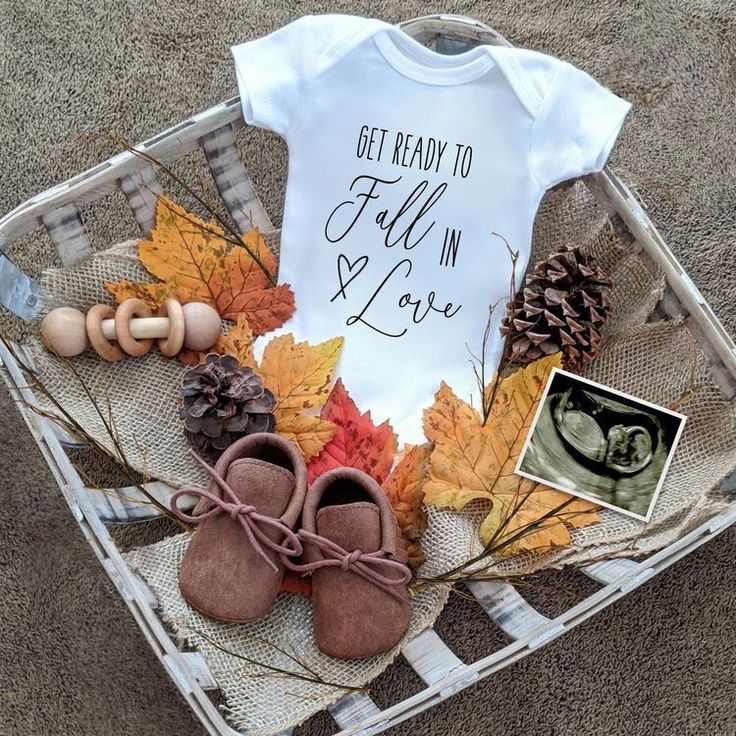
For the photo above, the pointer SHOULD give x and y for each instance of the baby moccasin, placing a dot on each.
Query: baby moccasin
(232, 568)
(353, 548)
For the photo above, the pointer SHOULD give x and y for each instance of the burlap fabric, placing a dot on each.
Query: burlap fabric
(653, 360)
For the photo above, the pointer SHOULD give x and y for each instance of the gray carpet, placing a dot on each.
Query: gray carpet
(72, 661)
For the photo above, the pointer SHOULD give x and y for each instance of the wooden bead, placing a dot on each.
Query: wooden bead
(196, 326)
(64, 332)
(103, 347)
(126, 311)
(203, 326)
(175, 339)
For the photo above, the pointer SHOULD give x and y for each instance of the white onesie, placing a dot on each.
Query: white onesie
(408, 172)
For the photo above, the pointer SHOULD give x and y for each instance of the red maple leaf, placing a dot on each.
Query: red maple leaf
(358, 442)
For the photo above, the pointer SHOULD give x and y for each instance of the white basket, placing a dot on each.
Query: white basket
(443, 673)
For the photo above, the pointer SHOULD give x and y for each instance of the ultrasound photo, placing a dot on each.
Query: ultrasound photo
(600, 444)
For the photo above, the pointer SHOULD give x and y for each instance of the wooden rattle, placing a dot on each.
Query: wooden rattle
(68, 332)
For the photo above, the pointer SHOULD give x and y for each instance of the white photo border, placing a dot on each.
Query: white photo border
(681, 417)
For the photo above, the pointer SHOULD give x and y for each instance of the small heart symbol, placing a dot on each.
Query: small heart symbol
(344, 267)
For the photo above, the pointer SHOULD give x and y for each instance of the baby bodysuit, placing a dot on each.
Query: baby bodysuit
(409, 173)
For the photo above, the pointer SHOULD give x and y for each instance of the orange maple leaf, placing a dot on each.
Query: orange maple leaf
(405, 490)
(194, 262)
(357, 443)
(293, 582)
(472, 460)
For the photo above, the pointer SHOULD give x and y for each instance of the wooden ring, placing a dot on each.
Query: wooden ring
(93, 322)
(172, 344)
(126, 311)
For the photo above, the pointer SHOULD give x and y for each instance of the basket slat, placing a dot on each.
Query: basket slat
(68, 234)
(234, 185)
(129, 504)
(353, 708)
(507, 608)
(18, 292)
(141, 189)
(197, 665)
(430, 657)
(607, 571)
(455, 27)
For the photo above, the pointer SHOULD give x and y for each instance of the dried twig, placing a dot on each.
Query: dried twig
(66, 421)
(308, 675)
(498, 543)
(229, 233)
(479, 362)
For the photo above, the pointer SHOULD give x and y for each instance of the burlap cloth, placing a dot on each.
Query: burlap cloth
(652, 360)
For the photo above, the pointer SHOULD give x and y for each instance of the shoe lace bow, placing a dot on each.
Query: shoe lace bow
(251, 521)
(371, 566)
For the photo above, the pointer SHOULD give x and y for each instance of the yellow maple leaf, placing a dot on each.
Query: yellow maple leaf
(299, 375)
(238, 342)
(310, 434)
(195, 262)
(472, 460)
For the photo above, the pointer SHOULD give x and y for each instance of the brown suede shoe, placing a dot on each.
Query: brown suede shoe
(232, 568)
(352, 545)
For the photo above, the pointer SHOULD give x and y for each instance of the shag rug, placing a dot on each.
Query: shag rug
(71, 659)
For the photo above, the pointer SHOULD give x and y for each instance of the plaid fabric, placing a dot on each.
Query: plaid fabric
(68, 234)
(234, 185)
(142, 189)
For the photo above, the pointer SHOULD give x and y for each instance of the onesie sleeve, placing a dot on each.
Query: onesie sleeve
(273, 73)
(577, 124)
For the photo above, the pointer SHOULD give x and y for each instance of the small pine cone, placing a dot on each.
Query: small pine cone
(223, 402)
(562, 307)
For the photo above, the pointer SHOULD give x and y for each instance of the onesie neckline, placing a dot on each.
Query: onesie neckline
(415, 61)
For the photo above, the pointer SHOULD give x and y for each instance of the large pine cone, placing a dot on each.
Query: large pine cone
(562, 307)
(222, 402)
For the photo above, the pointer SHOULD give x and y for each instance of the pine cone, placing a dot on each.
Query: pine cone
(222, 402)
(563, 305)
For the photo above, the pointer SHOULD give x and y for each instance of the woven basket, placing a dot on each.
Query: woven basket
(603, 211)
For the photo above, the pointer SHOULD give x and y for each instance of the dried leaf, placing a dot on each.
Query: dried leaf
(151, 294)
(310, 434)
(471, 461)
(358, 443)
(293, 582)
(190, 357)
(195, 263)
(405, 490)
(238, 342)
(299, 376)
